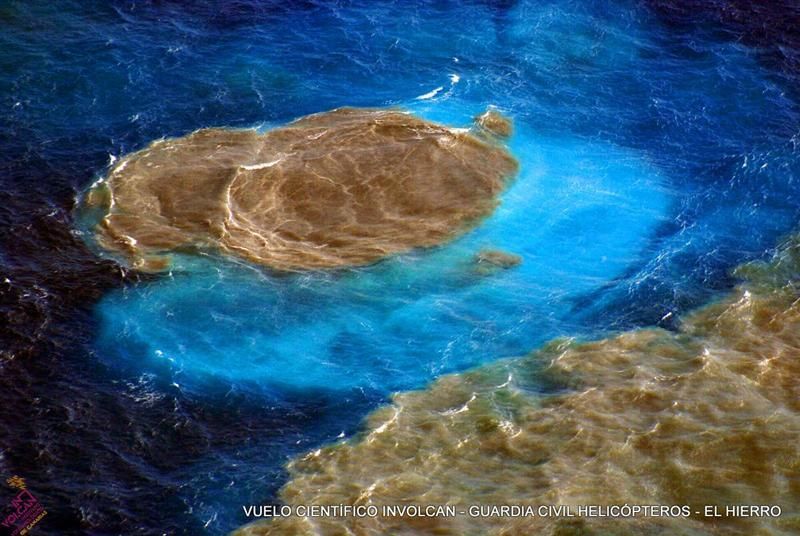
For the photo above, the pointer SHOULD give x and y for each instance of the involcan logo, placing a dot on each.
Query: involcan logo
(23, 512)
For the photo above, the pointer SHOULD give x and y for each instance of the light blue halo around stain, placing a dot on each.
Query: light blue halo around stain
(577, 214)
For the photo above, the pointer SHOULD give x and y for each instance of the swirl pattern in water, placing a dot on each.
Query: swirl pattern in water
(341, 188)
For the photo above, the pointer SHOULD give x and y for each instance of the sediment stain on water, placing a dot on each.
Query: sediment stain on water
(657, 149)
(335, 189)
(708, 415)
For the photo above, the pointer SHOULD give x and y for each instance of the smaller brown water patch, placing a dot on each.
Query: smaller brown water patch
(495, 123)
(341, 188)
(489, 261)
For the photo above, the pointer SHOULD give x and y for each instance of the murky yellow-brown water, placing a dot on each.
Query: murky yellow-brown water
(709, 415)
(341, 188)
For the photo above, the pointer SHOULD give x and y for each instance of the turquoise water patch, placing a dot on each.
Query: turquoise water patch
(577, 214)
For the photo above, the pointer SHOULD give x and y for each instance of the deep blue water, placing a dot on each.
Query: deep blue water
(655, 156)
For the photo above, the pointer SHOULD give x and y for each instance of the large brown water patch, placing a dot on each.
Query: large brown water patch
(341, 188)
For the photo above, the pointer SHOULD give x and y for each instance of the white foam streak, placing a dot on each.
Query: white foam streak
(262, 165)
(430, 94)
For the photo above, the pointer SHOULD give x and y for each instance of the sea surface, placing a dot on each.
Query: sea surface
(659, 147)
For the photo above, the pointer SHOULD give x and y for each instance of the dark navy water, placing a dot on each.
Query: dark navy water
(658, 145)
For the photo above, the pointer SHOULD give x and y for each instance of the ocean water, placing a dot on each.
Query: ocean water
(656, 154)
(707, 416)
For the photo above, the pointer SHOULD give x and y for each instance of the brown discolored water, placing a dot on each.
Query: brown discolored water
(708, 415)
(341, 188)
(495, 123)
